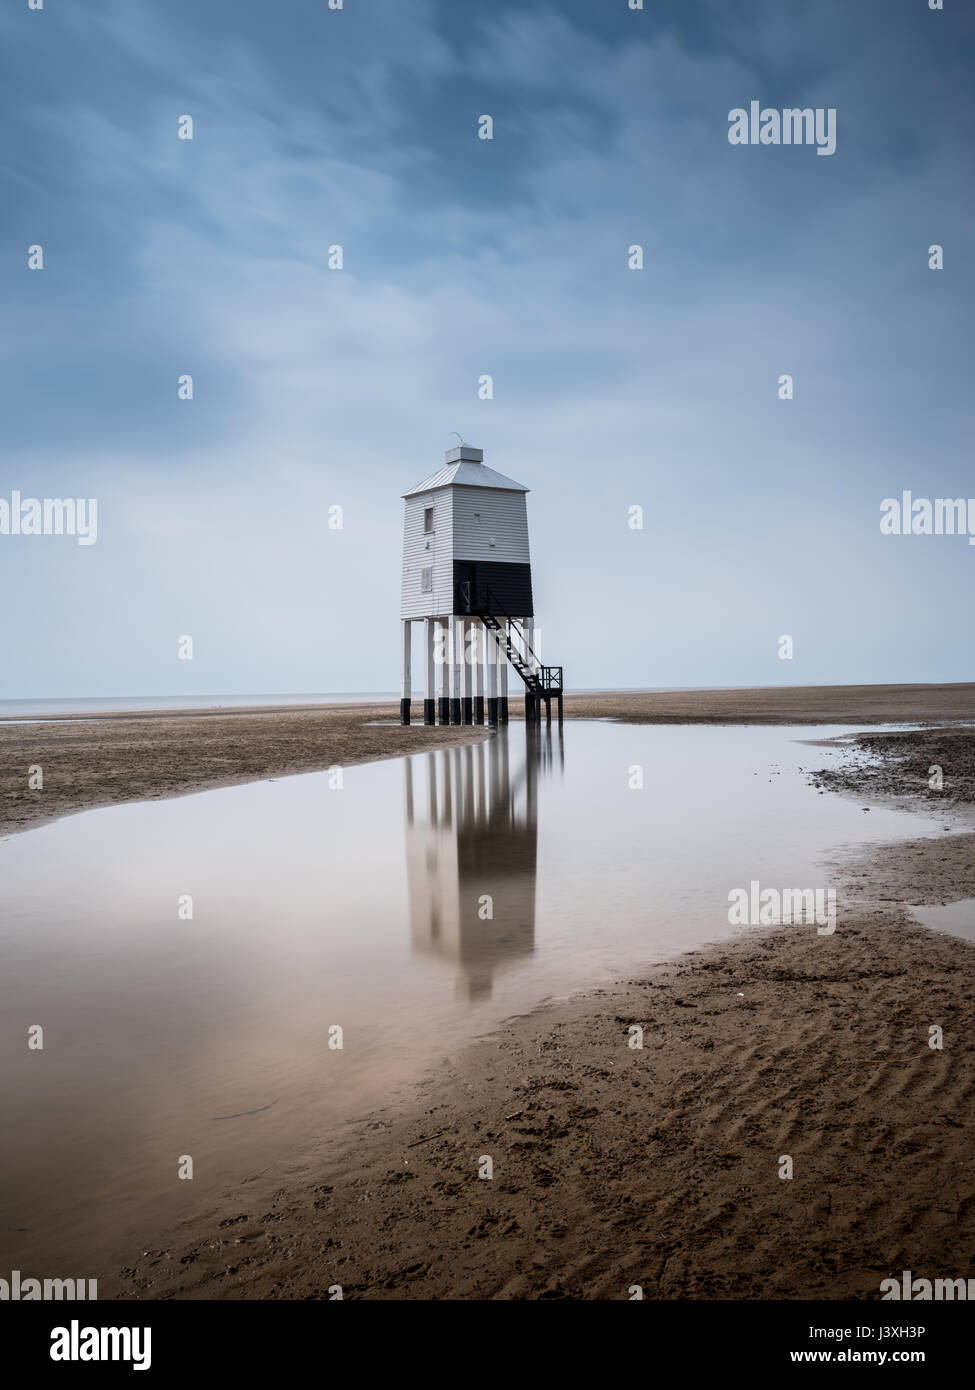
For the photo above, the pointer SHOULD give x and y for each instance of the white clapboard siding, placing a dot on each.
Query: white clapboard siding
(421, 550)
(490, 524)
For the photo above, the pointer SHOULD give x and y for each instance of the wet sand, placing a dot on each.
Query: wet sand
(108, 759)
(928, 767)
(658, 1167)
(614, 1166)
(798, 704)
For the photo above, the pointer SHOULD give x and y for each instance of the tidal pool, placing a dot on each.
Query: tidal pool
(190, 960)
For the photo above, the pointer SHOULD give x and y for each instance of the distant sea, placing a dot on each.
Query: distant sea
(128, 704)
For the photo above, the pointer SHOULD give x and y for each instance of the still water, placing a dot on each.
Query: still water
(957, 919)
(414, 907)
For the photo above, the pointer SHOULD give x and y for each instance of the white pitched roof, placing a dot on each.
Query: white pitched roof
(466, 473)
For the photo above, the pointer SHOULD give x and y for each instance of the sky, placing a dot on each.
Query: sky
(316, 388)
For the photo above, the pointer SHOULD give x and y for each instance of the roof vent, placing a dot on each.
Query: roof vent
(464, 454)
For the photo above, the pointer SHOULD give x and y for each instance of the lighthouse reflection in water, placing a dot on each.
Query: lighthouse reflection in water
(471, 851)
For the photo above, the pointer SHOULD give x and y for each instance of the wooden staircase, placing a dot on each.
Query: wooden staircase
(542, 683)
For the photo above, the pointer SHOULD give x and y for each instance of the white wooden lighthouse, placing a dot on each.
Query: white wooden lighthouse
(467, 580)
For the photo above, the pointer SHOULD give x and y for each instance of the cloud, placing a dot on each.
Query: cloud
(465, 257)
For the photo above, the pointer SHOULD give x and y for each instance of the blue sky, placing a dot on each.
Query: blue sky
(613, 387)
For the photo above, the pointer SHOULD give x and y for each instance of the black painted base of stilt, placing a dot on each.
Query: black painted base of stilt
(455, 711)
(404, 711)
(492, 711)
(467, 710)
(478, 709)
(503, 708)
(429, 711)
(444, 704)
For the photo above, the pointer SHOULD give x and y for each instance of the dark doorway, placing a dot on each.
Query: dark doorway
(465, 599)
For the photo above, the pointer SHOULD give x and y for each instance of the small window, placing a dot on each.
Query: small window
(427, 520)
(426, 580)
(477, 516)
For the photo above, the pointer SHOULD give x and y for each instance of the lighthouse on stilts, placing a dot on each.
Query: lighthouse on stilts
(467, 582)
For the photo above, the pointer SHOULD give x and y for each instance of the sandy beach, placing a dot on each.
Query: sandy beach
(104, 760)
(615, 1166)
(656, 1167)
